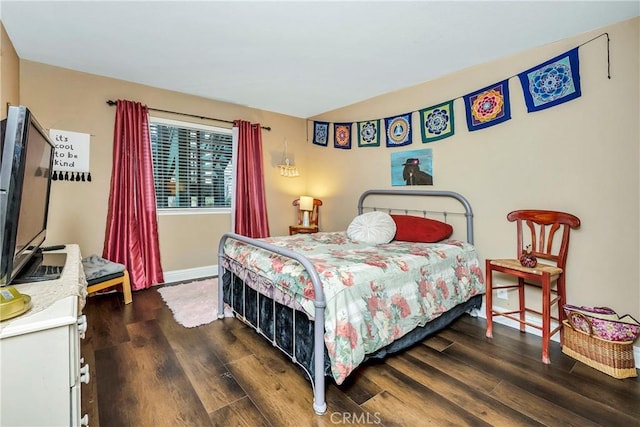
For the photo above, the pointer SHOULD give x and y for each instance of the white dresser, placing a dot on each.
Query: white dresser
(41, 366)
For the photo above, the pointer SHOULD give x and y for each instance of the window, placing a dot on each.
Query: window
(192, 165)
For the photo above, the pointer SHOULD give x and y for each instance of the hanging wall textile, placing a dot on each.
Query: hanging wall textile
(321, 133)
(342, 135)
(398, 130)
(369, 133)
(71, 161)
(552, 82)
(489, 106)
(437, 122)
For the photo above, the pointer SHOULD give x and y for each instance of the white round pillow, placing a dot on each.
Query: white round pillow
(372, 227)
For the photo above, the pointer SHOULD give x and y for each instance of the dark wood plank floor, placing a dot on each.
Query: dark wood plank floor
(147, 370)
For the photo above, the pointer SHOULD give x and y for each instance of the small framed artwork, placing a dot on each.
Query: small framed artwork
(413, 167)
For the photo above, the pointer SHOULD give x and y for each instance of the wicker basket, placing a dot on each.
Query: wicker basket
(614, 358)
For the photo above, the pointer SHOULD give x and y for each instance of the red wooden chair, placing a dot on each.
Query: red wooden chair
(540, 233)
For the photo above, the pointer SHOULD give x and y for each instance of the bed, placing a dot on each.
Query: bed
(331, 303)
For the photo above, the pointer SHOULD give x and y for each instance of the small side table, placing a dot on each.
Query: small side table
(300, 229)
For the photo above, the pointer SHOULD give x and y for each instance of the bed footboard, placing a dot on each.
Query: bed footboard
(318, 376)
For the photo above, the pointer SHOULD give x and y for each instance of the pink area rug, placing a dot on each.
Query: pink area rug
(195, 303)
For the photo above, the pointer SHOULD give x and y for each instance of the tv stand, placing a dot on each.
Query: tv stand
(41, 365)
(41, 267)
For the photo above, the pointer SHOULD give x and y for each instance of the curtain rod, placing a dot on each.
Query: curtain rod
(112, 103)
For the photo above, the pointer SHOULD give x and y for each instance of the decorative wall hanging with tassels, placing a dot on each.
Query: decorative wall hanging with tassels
(71, 161)
(545, 85)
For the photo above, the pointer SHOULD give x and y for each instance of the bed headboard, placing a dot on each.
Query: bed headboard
(468, 213)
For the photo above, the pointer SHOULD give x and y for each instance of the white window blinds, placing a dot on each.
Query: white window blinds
(192, 165)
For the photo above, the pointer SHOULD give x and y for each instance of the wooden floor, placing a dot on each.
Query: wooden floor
(147, 370)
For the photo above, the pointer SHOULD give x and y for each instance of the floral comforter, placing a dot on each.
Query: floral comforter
(374, 293)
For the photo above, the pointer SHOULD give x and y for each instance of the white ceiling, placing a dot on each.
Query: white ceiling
(299, 58)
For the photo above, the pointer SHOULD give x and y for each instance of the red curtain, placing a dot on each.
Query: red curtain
(131, 236)
(250, 201)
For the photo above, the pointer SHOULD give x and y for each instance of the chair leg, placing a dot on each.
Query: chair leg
(562, 294)
(521, 304)
(546, 317)
(488, 302)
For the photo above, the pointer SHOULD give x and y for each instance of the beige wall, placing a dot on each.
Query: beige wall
(581, 157)
(74, 101)
(9, 73)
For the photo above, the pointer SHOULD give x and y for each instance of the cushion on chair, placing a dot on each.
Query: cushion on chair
(101, 279)
(514, 264)
(98, 269)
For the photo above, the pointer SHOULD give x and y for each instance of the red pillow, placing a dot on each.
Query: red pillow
(418, 229)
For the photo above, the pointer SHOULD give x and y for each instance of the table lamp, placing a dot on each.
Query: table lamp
(306, 206)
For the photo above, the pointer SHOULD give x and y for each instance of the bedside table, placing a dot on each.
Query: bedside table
(300, 229)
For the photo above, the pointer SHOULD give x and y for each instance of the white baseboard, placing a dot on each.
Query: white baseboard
(531, 319)
(190, 274)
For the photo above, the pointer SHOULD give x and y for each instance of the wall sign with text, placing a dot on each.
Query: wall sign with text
(71, 160)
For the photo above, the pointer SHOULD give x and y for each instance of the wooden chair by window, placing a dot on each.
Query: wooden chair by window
(540, 233)
(314, 216)
(105, 283)
(102, 274)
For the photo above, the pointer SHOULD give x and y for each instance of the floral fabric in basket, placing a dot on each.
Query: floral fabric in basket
(603, 323)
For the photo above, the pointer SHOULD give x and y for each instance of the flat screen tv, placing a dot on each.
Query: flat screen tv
(25, 184)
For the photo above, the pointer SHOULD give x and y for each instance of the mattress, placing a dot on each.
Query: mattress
(375, 294)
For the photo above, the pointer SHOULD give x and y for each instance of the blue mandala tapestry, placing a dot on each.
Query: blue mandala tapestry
(369, 133)
(489, 106)
(398, 130)
(553, 82)
(437, 122)
(342, 135)
(321, 133)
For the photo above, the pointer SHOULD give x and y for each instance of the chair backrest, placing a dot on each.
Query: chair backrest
(541, 233)
(314, 215)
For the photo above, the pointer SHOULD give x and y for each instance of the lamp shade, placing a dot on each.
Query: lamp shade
(306, 203)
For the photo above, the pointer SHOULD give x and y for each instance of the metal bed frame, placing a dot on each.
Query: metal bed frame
(318, 376)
